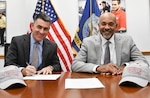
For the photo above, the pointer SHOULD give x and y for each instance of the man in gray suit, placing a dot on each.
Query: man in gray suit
(21, 50)
(122, 50)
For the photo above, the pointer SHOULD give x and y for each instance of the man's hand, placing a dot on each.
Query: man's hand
(121, 68)
(109, 69)
(46, 70)
(29, 71)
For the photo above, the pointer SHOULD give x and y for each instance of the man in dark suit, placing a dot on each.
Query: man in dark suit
(123, 50)
(20, 50)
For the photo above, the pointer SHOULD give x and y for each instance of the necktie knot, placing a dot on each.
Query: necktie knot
(107, 43)
(36, 43)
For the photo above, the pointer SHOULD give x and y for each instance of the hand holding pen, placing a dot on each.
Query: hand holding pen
(29, 70)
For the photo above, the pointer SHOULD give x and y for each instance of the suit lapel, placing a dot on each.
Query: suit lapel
(45, 51)
(98, 48)
(26, 47)
(118, 49)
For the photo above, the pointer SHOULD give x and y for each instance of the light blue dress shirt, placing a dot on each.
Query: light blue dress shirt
(40, 49)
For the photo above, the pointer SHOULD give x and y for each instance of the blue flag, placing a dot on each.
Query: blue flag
(88, 24)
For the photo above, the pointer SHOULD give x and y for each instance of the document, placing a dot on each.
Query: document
(83, 83)
(42, 77)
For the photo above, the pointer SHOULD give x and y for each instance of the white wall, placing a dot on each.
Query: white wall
(138, 22)
(19, 15)
(15, 15)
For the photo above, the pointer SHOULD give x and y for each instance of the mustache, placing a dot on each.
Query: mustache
(107, 30)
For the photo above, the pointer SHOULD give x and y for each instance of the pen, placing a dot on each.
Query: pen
(27, 63)
(30, 65)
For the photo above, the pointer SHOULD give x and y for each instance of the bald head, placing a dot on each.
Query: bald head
(108, 15)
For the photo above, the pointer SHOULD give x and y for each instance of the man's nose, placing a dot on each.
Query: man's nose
(41, 30)
(107, 26)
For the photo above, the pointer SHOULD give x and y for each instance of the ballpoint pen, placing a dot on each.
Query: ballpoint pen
(30, 65)
(27, 63)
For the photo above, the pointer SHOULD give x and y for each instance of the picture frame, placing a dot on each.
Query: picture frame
(81, 5)
(3, 11)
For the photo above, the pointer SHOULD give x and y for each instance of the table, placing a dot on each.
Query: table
(56, 88)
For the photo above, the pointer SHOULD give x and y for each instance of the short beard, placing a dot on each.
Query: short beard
(107, 36)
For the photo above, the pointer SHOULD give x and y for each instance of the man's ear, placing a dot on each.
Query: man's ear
(31, 25)
(116, 24)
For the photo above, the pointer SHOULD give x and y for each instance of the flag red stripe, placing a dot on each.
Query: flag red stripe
(62, 42)
(63, 59)
(65, 32)
(60, 53)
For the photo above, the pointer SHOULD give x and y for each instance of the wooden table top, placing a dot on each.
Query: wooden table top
(56, 88)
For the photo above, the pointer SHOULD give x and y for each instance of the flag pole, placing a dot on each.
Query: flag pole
(91, 25)
(43, 6)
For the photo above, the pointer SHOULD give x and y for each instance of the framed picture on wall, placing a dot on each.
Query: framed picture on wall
(2, 25)
(117, 7)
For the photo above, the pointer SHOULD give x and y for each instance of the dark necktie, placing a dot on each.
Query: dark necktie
(35, 55)
(107, 53)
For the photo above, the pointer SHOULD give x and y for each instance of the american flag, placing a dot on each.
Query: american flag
(57, 33)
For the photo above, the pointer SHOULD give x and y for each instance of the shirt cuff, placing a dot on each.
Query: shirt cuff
(94, 69)
(20, 68)
(126, 64)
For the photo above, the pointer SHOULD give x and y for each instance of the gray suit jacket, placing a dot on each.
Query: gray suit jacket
(90, 52)
(19, 52)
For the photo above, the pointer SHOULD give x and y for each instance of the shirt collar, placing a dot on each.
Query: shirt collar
(104, 40)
